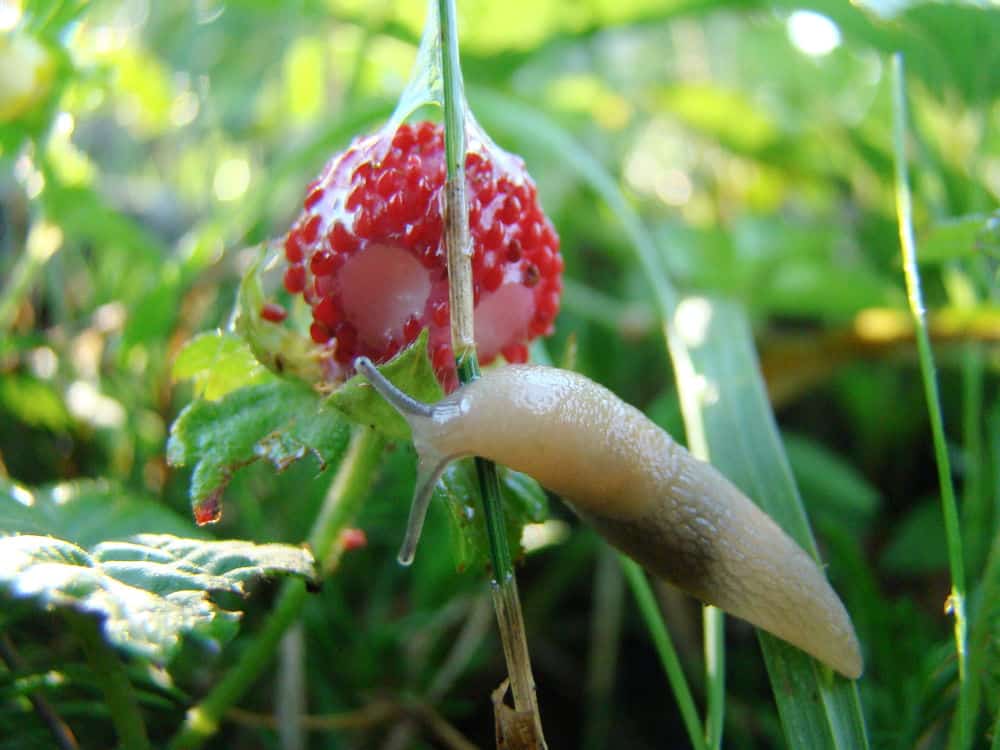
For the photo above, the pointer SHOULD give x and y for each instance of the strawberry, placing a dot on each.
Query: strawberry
(368, 255)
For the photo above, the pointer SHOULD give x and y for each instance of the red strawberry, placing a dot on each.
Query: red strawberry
(368, 254)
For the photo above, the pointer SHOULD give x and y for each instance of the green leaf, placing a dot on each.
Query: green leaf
(281, 421)
(917, 545)
(275, 345)
(525, 496)
(410, 370)
(83, 512)
(961, 237)
(838, 495)
(524, 502)
(726, 115)
(218, 363)
(34, 402)
(148, 592)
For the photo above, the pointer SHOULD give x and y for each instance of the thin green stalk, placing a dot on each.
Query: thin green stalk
(346, 493)
(975, 498)
(714, 625)
(505, 597)
(43, 241)
(290, 704)
(118, 692)
(665, 648)
(456, 207)
(62, 735)
(713, 619)
(606, 627)
(904, 211)
(506, 601)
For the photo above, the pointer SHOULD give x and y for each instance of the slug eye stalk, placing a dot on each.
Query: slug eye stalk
(430, 465)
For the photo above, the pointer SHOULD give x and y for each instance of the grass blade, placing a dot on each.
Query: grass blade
(818, 709)
(714, 625)
(643, 593)
(949, 506)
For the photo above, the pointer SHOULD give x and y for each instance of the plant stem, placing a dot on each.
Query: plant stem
(975, 499)
(605, 638)
(689, 392)
(290, 703)
(506, 601)
(62, 735)
(665, 648)
(118, 692)
(348, 490)
(43, 241)
(714, 625)
(456, 205)
(904, 213)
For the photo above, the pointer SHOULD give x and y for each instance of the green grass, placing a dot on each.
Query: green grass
(832, 222)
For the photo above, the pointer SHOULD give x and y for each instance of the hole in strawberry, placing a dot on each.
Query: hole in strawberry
(502, 317)
(379, 290)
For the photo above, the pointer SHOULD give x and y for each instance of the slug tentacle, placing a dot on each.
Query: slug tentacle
(406, 405)
(430, 467)
(430, 462)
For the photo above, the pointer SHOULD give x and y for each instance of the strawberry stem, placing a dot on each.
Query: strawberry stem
(456, 217)
(456, 203)
(114, 682)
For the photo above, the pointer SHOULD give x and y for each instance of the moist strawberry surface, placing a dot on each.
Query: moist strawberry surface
(368, 255)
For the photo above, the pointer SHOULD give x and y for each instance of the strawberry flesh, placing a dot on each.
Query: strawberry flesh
(368, 255)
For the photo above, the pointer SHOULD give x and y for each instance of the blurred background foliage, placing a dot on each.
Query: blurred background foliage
(143, 144)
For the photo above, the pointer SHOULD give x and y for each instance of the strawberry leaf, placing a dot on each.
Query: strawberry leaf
(281, 421)
(218, 363)
(524, 502)
(150, 591)
(83, 512)
(410, 371)
(276, 346)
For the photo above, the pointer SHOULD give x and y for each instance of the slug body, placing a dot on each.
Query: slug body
(677, 516)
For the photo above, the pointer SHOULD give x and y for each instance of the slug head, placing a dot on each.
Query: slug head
(424, 420)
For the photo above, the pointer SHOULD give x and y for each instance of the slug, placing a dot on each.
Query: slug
(675, 515)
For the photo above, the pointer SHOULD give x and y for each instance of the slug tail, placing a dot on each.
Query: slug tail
(431, 463)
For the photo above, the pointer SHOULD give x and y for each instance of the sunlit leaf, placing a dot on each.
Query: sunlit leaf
(959, 238)
(29, 69)
(280, 421)
(727, 116)
(218, 363)
(84, 512)
(34, 402)
(148, 592)
(277, 346)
